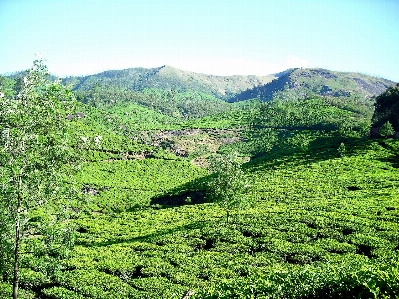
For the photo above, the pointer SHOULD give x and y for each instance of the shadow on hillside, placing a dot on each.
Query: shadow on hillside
(145, 238)
(180, 199)
(393, 159)
(321, 149)
(191, 193)
(264, 92)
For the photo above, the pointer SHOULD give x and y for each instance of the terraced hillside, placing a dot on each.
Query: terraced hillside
(322, 220)
(321, 225)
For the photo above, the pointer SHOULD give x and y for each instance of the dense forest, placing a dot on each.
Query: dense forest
(160, 183)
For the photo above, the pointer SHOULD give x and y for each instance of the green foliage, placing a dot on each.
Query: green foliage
(387, 107)
(319, 226)
(235, 118)
(7, 87)
(169, 103)
(295, 126)
(312, 113)
(138, 117)
(167, 78)
(381, 281)
(386, 130)
(351, 89)
(96, 285)
(6, 240)
(342, 149)
(253, 143)
(187, 104)
(34, 155)
(322, 221)
(125, 185)
(229, 188)
(371, 281)
(61, 293)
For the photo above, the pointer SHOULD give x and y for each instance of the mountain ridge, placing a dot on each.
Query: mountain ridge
(299, 83)
(291, 83)
(294, 83)
(168, 77)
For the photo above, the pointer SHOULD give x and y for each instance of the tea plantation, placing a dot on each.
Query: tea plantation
(323, 220)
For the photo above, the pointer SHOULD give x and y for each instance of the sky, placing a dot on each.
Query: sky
(218, 37)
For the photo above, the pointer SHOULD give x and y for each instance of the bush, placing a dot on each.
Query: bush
(387, 130)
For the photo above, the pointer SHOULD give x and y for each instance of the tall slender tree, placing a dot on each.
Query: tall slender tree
(34, 155)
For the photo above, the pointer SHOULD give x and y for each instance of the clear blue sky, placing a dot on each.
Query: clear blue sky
(220, 37)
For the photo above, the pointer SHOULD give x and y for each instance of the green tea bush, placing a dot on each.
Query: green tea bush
(95, 284)
(61, 293)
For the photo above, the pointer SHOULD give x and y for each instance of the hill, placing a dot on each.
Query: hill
(323, 219)
(323, 222)
(184, 94)
(302, 83)
(170, 78)
(292, 83)
(288, 84)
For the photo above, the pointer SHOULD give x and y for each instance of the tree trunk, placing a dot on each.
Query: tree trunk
(16, 260)
(17, 241)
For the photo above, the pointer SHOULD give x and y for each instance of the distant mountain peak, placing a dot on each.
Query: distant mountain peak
(294, 82)
(299, 83)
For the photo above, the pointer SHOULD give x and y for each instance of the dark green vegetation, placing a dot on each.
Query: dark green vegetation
(172, 103)
(323, 218)
(387, 108)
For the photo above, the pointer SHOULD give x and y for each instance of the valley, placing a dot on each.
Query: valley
(322, 199)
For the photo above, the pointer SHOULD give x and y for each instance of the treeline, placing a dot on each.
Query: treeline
(387, 108)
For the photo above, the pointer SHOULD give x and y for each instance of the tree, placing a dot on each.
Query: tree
(386, 130)
(342, 149)
(387, 108)
(34, 155)
(229, 187)
(7, 86)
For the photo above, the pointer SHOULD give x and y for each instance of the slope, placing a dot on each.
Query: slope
(169, 78)
(323, 224)
(301, 83)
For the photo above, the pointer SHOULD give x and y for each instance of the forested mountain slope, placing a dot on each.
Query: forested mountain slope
(322, 221)
(289, 84)
(169, 78)
(176, 104)
(185, 94)
(301, 83)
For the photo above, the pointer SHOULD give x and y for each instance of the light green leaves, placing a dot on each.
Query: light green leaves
(33, 155)
(386, 130)
(230, 187)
